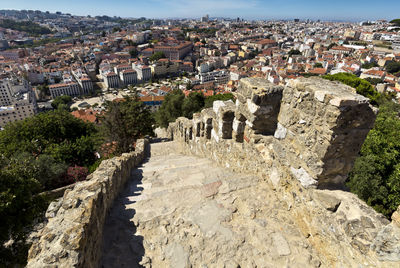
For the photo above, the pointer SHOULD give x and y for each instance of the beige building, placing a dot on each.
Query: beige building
(24, 106)
(70, 89)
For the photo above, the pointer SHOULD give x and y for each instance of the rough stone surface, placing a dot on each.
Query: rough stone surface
(72, 235)
(311, 129)
(185, 211)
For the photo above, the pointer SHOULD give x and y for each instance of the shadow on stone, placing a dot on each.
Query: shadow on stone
(121, 247)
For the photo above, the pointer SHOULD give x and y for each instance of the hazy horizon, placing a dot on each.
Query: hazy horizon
(339, 10)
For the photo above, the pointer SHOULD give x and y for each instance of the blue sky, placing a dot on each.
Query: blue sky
(249, 9)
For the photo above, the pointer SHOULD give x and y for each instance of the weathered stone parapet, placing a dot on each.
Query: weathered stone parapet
(310, 130)
(259, 102)
(325, 123)
(73, 234)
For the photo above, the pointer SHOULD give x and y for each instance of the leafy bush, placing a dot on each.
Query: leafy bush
(375, 177)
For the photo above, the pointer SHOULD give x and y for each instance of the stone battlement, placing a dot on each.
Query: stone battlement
(311, 130)
(72, 236)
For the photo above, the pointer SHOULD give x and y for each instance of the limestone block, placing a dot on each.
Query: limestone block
(259, 102)
(328, 123)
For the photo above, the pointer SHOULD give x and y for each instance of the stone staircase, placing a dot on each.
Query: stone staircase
(185, 211)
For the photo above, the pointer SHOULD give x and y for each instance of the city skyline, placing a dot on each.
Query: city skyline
(252, 9)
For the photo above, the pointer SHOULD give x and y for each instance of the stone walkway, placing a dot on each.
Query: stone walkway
(185, 211)
(181, 210)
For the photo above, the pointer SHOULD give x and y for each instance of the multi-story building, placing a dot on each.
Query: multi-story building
(143, 71)
(174, 51)
(86, 85)
(13, 54)
(128, 77)
(17, 101)
(5, 92)
(118, 69)
(70, 89)
(219, 77)
(83, 80)
(111, 80)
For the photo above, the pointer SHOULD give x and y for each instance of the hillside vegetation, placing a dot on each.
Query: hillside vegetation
(24, 26)
(375, 177)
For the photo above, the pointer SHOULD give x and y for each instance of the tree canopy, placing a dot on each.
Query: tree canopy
(396, 22)
(39, 153)
(156, 56)
(294, 52)
(176, 105)
(61, 102)
(393, 67)
(126, 121)
(171, 108)
(24, 26)
(55, 133)
(192, 104)
(224, 97)
(375, 177)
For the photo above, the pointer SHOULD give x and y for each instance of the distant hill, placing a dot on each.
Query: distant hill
(24, 26)
(396, 21)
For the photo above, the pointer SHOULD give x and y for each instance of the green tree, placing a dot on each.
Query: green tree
(62, 102)
(20, 204)
(369, 65)
(55, 133)
(171, 108)
(393, 67)
(192, 104)
(332, 45)
(375, 177)
(156, 56)
(224, 97)
(126, 121)
(134, 53)
(294, 52)
(374, 81)
(24, 26)
(44, 89)
(318, 65)
(396, 22)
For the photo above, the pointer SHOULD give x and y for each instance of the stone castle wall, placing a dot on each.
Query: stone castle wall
(304, 135)
(311, 130)
(73, 234)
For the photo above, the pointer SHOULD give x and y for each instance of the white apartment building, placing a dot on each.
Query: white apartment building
(219, 77)
(118, 69)
(21, 109)
(83, 80)
(143, 72)
(128, 77)
(111, 80)
(86, 85)
(70, 89)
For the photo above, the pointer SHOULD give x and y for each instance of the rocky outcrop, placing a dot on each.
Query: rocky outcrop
(73, 235)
